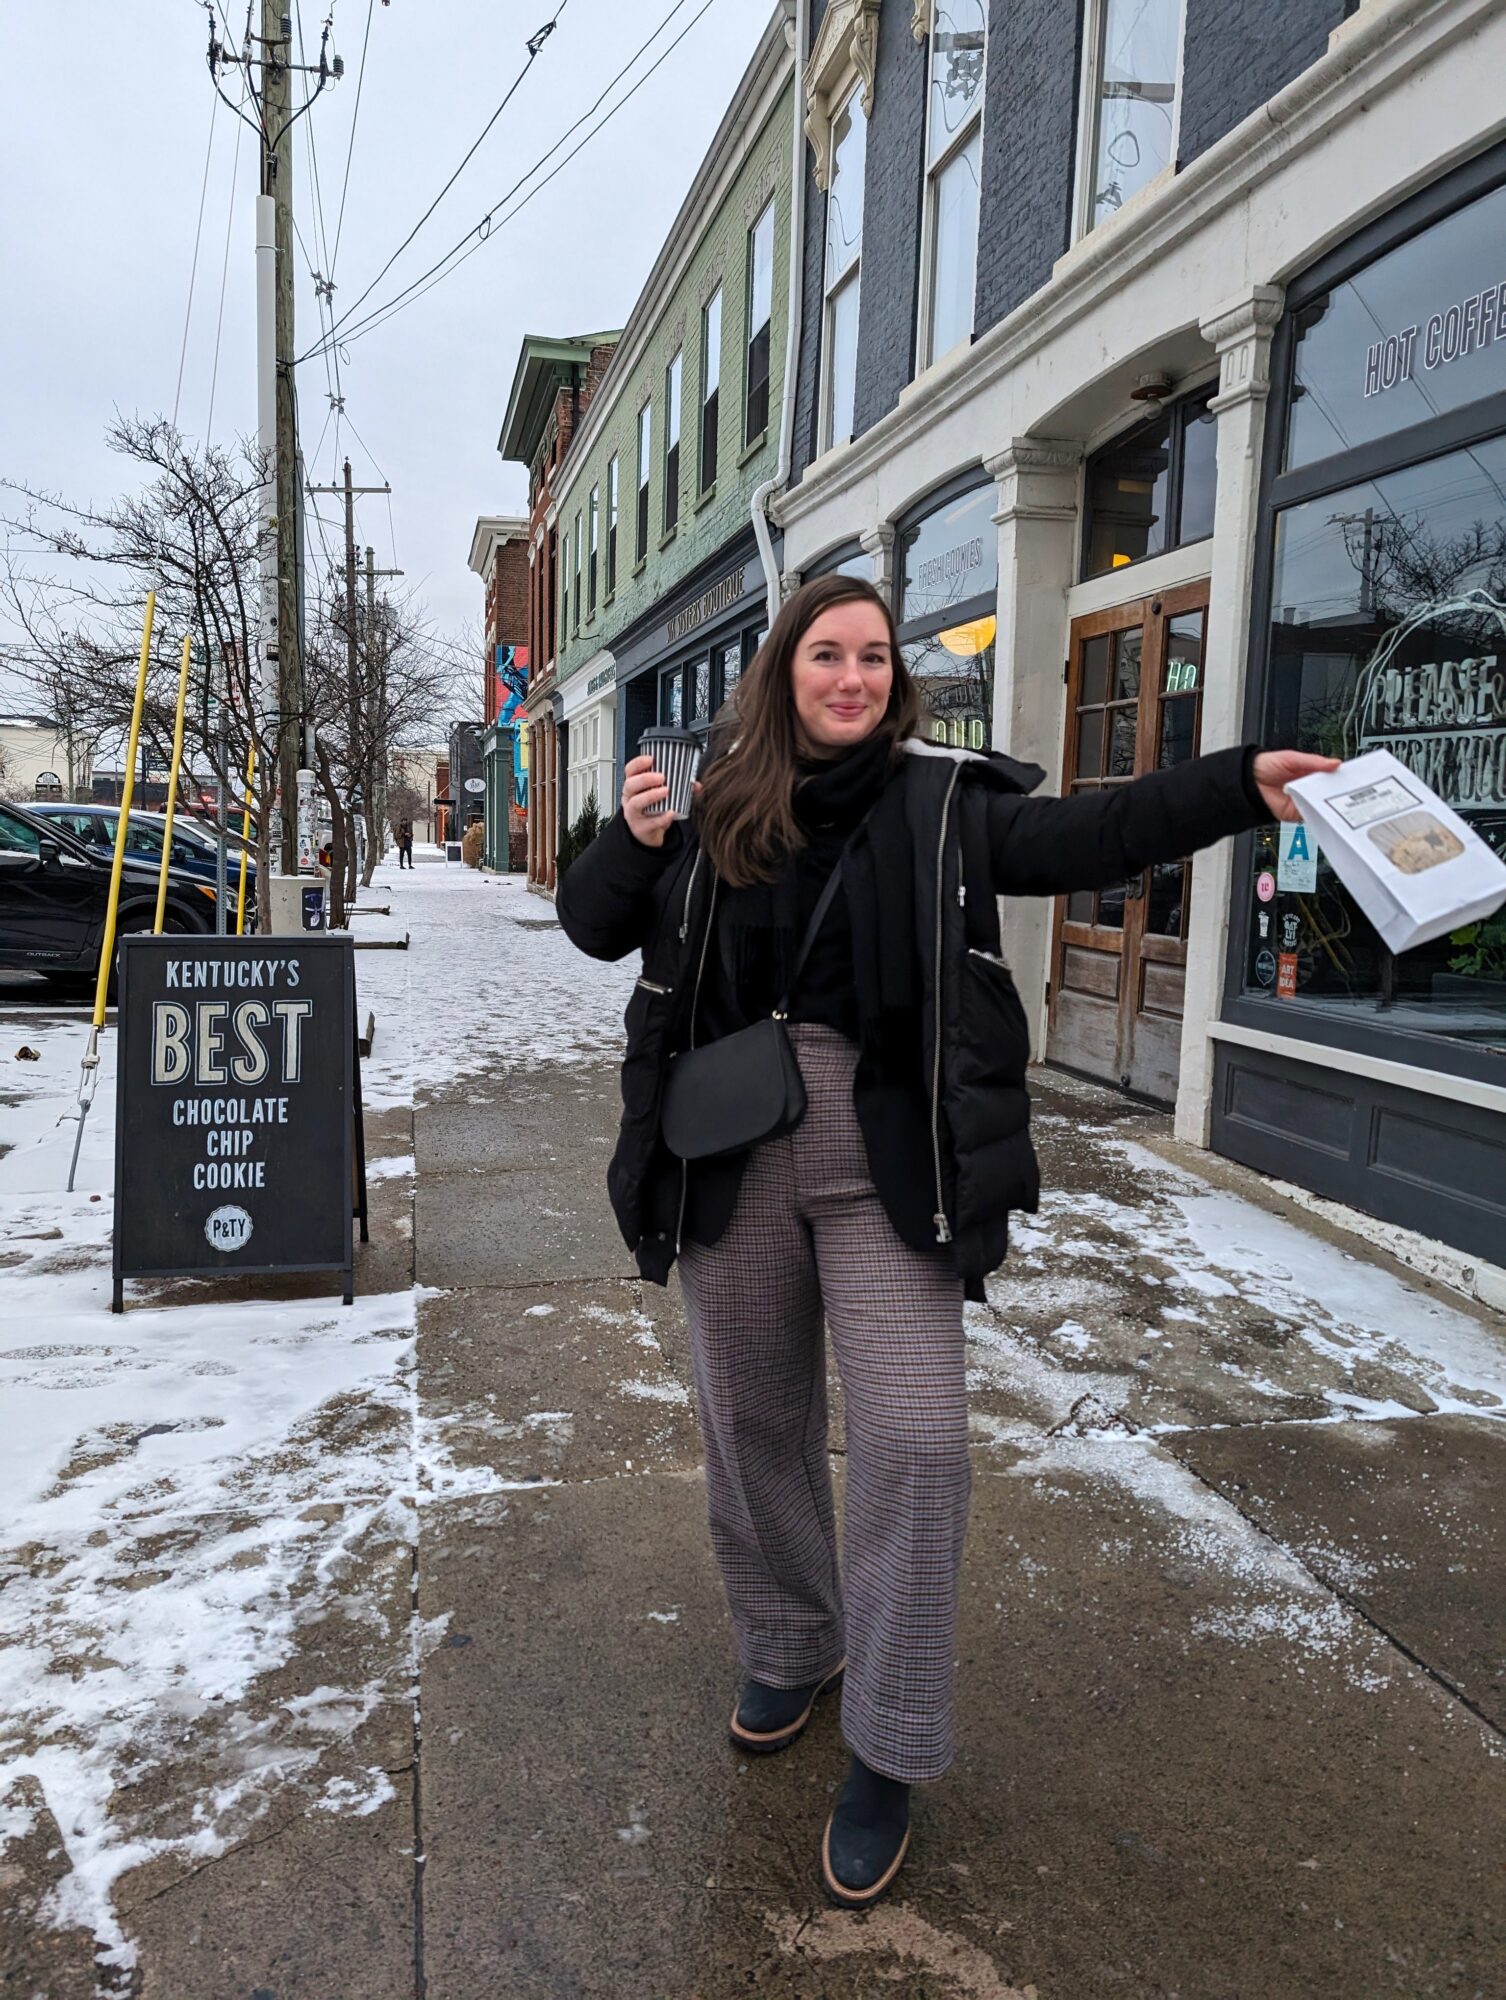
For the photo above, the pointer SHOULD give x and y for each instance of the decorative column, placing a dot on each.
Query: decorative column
(1037, 522)
(1241, 333)
(879, 544)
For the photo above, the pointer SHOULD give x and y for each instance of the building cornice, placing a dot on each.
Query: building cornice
(493, 532)
(846, 44)
(1379, 49)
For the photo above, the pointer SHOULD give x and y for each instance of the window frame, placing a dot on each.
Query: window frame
(592, 549)
(1095, 27)
(674, 393)
(1180, 410)
(575, 620)
(932, 171)
(614, 472)
(711, 397)
(750, 332)
(849, 277)
(645, 479)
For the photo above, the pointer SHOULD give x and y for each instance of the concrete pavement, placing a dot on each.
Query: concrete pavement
(1231, 1704)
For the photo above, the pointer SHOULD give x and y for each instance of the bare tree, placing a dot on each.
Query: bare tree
(192, 533)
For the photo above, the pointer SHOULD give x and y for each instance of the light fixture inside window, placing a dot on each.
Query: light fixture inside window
(966, 642)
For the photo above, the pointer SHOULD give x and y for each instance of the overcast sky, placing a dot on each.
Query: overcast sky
(105, 115)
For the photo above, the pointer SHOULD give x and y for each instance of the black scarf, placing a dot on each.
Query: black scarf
(759, 928)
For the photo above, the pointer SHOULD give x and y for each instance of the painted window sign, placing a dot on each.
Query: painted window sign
(1416, 333)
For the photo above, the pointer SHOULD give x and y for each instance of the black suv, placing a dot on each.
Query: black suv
(54, 892)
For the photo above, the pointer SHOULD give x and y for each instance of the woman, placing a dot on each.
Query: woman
(888, 1202)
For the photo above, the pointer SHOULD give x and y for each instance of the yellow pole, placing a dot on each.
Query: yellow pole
(107, 943)
(172, 789)
(240, 900)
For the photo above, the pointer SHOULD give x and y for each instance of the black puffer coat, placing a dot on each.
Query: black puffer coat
(956, 1160)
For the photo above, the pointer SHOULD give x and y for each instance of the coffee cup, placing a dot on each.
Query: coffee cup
(677, 757)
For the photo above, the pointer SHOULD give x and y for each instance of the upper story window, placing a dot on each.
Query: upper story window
(711, 387)
(612, 478)
(592, 552)
(760, 325)
(1129, 110)
(1153, 489)
(954, 164)
(575, 622)
(645, 430)
(673, 377)
(844, 254)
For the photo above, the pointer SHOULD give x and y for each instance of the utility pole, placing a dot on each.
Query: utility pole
(376, 653)
(267, 62)
(349, 493)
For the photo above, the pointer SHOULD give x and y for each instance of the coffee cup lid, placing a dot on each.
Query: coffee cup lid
(667, 735)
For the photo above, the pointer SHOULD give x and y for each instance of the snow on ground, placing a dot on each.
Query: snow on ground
(189, 1490)
(500, 986)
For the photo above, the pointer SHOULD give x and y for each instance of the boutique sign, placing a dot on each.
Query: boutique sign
(1445, 336)
(711, 604)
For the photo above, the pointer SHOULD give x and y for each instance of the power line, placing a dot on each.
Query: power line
(219, 324)
(350, 149)
(535, 46)
(193, 270)
(457, 254)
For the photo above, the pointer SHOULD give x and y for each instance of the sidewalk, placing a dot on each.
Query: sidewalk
(365, 1654)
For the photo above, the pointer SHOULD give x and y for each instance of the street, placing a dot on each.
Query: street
(378, 1651)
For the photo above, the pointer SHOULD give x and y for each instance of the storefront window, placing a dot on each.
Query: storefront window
(1154, 488)
(1388, 631)
(949, 582)
(1419, 332)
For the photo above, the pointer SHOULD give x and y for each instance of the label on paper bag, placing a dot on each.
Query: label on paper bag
(1297, 868)
(1415, 868)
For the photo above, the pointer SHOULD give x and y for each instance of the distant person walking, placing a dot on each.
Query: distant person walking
(836, 881)
(405, 843)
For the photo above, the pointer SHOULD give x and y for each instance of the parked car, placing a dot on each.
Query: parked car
(55, 891)
(193, 844)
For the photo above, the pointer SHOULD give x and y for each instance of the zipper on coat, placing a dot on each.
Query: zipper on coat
(652, 986)
(943, 1227)
(993, 957)
(695, 1002)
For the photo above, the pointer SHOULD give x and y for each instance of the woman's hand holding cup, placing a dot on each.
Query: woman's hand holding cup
(643, 792)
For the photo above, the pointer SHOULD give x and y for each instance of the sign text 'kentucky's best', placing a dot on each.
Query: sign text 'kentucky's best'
(237, 1105)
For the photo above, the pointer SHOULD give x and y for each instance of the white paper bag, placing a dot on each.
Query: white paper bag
(1413, 866)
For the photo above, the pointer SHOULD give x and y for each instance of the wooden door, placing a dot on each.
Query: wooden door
(1119, 963)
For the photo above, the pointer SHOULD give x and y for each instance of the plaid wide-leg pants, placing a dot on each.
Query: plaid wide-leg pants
(809, 1238)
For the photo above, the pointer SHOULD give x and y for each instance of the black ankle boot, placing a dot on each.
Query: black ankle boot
(769, 1718)
(866, 1837)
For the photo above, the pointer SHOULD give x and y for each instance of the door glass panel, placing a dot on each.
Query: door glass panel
(1122, 742)
(1184, 654)
(1080, 907)
(1178, 731)
(1111, 907)
(1095, 670)
(1090, 743)
(1127, 664)
(700, 683)
(1163, 916)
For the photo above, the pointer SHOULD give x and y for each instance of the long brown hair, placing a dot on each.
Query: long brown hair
(746, 809)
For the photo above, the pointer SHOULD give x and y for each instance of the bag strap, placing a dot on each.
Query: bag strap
(818, 917)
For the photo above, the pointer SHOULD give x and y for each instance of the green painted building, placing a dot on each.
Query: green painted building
(661, 596)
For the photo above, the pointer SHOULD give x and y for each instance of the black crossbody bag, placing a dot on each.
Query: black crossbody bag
(746, 1087)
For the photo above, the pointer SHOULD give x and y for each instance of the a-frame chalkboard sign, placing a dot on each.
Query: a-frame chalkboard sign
(239, 1141)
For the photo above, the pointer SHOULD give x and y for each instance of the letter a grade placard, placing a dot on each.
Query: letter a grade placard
(238, 1143)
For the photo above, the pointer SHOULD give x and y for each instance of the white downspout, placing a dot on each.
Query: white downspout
(770, 487)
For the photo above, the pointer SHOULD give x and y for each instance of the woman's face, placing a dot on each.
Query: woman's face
(841, 677)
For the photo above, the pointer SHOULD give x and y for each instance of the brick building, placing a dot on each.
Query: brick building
(1153, 361)
(499, 555)
(552, 388)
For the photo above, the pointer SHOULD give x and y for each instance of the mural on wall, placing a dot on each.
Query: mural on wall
(512, 692)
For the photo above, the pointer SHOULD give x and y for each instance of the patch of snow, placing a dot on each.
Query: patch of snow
(656, 1392)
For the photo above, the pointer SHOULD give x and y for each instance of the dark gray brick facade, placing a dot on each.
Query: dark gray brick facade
(1237, 53)
(1029, 141)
